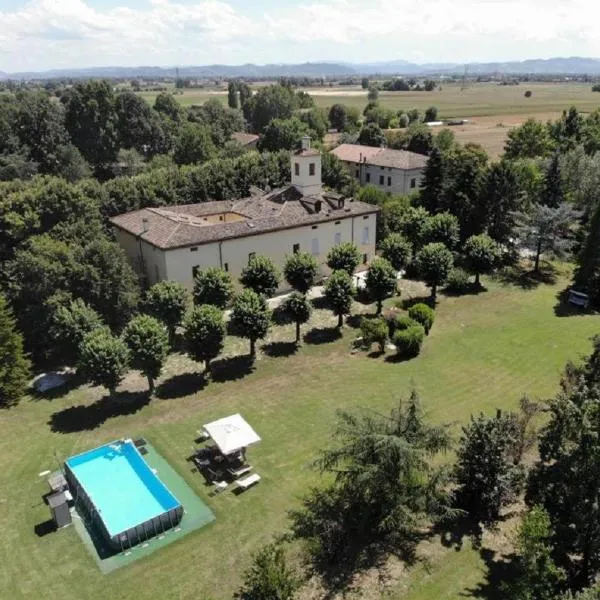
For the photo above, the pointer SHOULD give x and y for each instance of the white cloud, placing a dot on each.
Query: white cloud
(54, 33)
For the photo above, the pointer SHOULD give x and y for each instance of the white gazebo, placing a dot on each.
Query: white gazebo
(231, 434)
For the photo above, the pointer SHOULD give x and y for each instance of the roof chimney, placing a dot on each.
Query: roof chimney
(305, 142)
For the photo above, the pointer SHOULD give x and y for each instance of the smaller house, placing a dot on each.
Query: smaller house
(394, 171)
(247, 140)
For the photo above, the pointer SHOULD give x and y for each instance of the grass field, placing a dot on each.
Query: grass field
(484, 351)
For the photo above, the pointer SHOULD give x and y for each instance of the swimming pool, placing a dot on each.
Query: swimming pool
(121, 494)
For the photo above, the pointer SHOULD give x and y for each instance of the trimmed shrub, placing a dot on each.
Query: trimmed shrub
(402, 322)
(422, 314)
(374, 331)
(408, 342)
(458, 281)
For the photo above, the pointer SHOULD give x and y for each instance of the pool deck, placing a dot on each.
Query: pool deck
(196, 515)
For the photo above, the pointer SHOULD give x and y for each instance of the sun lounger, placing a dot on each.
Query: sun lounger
(241, 471)
(220, 486)
(245, 483)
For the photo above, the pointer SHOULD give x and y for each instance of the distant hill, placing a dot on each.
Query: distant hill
(552, 66)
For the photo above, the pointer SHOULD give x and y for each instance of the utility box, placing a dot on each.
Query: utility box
(59, 507)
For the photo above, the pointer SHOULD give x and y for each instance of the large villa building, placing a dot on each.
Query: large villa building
(394, 171)
(173, 242)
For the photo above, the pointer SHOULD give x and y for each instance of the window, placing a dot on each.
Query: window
(356, 172)
(195, 271)
(296, 169)
(389, 181)
(381, 179)
(368, 178)
(365, 235)
(315, 226)
(314, 247)
(338, 238)
(365, 258)
(382, 168)
(296, 248)
(311, 169)
(251, 256)
(226, 267)
(194, 249)
(365, 217)
(413, 183)
(220, 217)
(337, 222)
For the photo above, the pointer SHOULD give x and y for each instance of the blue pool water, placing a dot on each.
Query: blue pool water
(121, 485)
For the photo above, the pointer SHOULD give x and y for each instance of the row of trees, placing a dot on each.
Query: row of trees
(387, 483)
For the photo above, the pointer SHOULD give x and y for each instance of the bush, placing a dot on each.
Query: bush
(528, 94)
(374, 331)
(422, 314)
(401, 323)
(458, 281)
(408, 342)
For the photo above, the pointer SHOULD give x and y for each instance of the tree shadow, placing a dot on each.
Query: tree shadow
(376, 353)
(470, 290)
(86, 417)
(279, 316)
(182, 385)
(322, 335)
(320, 303)
(406, 304)
(355, 320)
(501, 570)
(43, 529)
(527, 279)
(563, 308)
(231, 368)
(280, 349)
(396, 358)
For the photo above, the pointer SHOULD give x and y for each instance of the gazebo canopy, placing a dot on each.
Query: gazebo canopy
(231, 433)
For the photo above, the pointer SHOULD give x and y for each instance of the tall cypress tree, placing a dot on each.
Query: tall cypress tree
(432, 187)
(587, 276)
(15, 368)
(553, 191)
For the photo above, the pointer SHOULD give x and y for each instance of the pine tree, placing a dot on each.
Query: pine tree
(15, 368)
(432, 186)
(553, 192)
(587, 276)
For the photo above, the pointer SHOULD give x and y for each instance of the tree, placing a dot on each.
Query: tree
(434, 262)
(282, 134)
(552, 191)
(423, 315)
(374, 331)
(298, 308)
(530, 140)
(300, 271)
(103, 359)
(344, 257)
(371, 135)
(545, 229)
(431, 114)
(204, 333)
(338, 293)
(373, 94)
(443, 228)
(380, 281)
(261, 276)
(338, 117)
(364, 83)
(386, 485)
(250, 317)
(193, 145)
(148, 343)
(482, 255)
(270, 102)
(565, 480)
(412, 225)
(269, 577)
(213, 286)
(70, 324)
(397, 250)
(587, 275)
(232, 94)
(408, 341)
(485, 472)
(168, 301)
(432, 186)
(538, 577)
(15, 368)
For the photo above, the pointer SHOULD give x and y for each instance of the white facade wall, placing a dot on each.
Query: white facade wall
(395, 181)
(147, 261)
(178, 264)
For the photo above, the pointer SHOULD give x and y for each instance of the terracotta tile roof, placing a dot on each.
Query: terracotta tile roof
(244, 138)
(380, 157)
(185, 225)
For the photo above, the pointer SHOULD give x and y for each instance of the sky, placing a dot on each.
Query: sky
(37, 35)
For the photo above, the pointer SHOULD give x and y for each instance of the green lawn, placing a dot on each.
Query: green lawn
(484, 351)
(478, 99)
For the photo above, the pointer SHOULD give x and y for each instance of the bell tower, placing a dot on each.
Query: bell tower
(306, 169)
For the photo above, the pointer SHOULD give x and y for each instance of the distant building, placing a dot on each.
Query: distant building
(248, 140)
(394, 171)
(173, 242)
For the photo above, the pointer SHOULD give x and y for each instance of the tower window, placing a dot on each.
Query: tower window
(311, 169)
(296, 169)
(381, 180)
(389, 181)
(194, 249)
(413, 183)
(368, 178)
